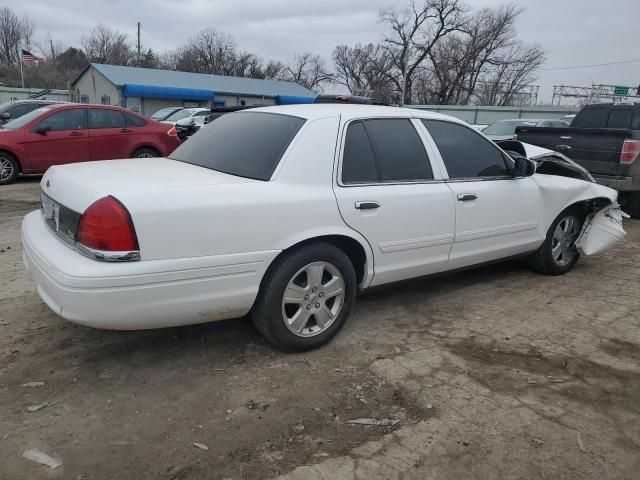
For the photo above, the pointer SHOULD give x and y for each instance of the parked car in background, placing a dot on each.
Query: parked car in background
(198, 115)
(17, 108)
(287, 212)
(605, 139)
(568, 119)
(165, 113)
(504, 129)
(478, 126)
(70, 133)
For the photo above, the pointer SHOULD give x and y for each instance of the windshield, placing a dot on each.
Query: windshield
(26, 118)
(506, 127)
(179, 115)
(164, 113)
(248, 144)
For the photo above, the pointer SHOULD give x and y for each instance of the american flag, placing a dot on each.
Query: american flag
(28, 57)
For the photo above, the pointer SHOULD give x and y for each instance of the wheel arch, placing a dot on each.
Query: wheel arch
(358, 251)
(146, 145)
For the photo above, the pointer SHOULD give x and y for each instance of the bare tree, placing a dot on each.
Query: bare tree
(308, 70)
(105, 45)
(365, 70)
(458, 61)
(15, 34)
(506, 81)
(414, 33)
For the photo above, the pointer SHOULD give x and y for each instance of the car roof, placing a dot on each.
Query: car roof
(348, 111)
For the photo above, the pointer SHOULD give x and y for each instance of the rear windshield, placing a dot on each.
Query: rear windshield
(247, 144)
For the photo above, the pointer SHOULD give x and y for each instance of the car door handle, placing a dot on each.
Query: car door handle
(125, 130)
(367, 205)
(563, 147)
(467, 197)
(564, 137)
(76, 134)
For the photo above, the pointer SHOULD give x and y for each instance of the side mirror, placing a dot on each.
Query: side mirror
(42, 130)
(5, 116)
(523, 167)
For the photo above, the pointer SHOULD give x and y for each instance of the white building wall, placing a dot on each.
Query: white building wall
(92, 86)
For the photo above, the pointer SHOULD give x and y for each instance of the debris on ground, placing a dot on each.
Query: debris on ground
(35, 408)
(537, 441)
(580, 442)
(42, 458)
(378, 422)
(201, 446)
(429, 406)
(33, 384)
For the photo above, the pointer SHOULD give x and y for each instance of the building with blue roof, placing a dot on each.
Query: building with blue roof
(148, 90)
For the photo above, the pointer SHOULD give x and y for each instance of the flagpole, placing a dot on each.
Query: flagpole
(21, 71)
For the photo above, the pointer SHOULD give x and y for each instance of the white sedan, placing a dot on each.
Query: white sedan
(286, 212)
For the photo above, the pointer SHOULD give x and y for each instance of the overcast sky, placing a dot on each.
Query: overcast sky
(572, 32)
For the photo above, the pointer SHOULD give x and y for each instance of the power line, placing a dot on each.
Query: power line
(594, 65)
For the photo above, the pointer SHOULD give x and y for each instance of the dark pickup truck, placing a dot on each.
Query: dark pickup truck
(604, 139)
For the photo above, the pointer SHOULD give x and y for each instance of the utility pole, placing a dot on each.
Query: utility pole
(139, 47)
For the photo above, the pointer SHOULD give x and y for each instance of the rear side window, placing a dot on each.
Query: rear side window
(103, 118)
(72, 119)
(591, 118)
(465, 153)
(248, 144)
(133, 121)
(22, 109)
(619, 118)
(384, 150)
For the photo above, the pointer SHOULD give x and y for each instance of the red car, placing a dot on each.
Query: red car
(70, 133)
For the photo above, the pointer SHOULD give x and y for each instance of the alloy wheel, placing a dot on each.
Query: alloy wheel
(313, 299)
(563, 247)
(6, 168)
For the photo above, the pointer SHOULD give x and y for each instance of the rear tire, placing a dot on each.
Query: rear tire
(305, 297)
(146, 152)
(632, 204)
(558, 254)
(9, 168)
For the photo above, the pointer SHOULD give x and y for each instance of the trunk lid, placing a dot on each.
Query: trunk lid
(78, 185)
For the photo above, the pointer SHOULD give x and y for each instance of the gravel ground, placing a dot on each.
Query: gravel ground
(492, 373)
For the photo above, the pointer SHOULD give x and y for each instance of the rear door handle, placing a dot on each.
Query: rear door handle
(467, 197)
(125, 130)
(76, 134)
(563, 147)
(564, 137)
(367, 205)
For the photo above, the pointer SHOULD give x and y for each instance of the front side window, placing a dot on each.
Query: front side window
(103, 118)
(72, 119)
(465, 153)
(247, 144)
(384, 150)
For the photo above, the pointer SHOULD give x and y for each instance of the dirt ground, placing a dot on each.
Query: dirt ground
(493, 373)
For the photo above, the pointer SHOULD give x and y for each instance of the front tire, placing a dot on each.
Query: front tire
(558, 254)
(9, 168)
(305, 298)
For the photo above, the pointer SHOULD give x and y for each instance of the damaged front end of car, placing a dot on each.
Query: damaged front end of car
(603, 225)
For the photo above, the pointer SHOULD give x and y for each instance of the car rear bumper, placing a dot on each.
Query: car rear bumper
(139, 295)
(622, 184)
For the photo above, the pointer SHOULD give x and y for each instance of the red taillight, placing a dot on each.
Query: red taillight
(172, 132)
(106, 226)
(630, 151)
